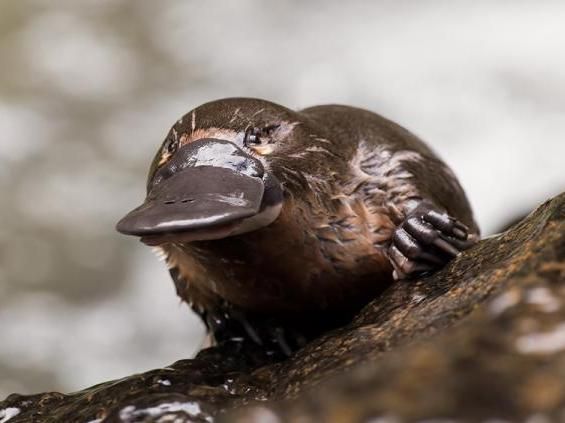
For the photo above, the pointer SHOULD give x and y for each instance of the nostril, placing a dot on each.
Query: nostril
(187, 200)
(170, 202)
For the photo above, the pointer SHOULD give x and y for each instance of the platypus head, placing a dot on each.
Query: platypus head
(224, 170)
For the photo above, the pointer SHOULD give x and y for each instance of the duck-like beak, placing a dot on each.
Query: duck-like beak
(210, 189)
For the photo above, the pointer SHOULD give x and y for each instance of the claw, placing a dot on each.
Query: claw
(426, 240)
(249, 329)
(408, 245)
(446, 224)
(421, 229)
(404, 267)
(445, 246)
(281, 341)
(460, 234)
(233, 324)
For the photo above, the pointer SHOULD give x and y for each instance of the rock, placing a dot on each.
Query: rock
(482, 339)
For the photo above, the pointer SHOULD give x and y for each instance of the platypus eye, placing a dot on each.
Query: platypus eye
(256, 137)
(252, 137)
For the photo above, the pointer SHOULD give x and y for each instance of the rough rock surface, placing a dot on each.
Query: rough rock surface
(482, 339)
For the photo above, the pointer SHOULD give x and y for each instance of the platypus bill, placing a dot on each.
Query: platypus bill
(279, 224)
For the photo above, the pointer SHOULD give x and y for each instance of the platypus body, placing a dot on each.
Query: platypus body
(278, 224)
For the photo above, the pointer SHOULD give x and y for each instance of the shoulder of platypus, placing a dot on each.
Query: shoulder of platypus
(356, 211)
(378, 153)
(352, 126)
(388, 166)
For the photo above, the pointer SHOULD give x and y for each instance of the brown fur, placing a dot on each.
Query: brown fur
(349, 176)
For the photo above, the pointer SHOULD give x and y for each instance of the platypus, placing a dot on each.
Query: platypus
(277, 224)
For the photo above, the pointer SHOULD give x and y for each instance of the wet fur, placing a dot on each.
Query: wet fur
(350, 177)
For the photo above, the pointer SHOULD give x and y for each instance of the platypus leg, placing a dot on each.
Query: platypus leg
(426, 240)
(228, 323)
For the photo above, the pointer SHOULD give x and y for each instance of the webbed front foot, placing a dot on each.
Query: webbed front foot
(228, 323)
(426, 240)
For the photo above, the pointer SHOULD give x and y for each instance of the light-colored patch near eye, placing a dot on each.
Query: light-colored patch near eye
(219, 133)
(165, 156)
(282, 131)
(193, 124)
(164, 159)
(264, 150)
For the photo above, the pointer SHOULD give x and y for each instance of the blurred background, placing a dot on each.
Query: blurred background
(89, 88)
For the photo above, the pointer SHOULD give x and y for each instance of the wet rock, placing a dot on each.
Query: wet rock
(482, 339)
